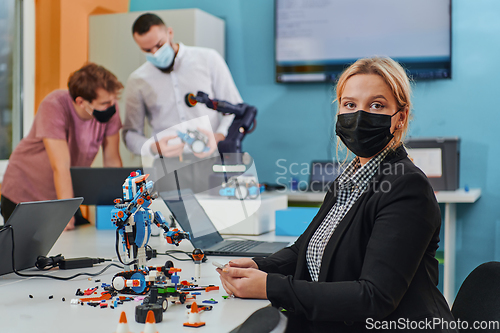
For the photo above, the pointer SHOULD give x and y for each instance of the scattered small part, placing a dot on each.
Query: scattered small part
(79, 292)
(97, 280)
(202, 307)
(104, 296)
(64, 299)
(90, 291)
(209, 288)
(194, 317)
(90, 279)
(210, 301)
(75, 301)
(122, 324)
(51, 296)
(196, 293)
(225, 297)
(103, 305)
(31, 296)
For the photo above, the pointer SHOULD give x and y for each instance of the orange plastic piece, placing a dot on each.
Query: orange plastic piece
(175, 269)
(194, 309)
(123, 318)
(120, 213)
(198, 257)
(150, 318)
(192, 100)
(105, 296)
(140, 201)
(211, 288)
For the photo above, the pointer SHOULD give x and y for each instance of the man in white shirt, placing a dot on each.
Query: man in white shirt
(157, 91)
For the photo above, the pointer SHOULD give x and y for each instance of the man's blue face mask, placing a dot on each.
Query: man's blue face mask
(163, 57)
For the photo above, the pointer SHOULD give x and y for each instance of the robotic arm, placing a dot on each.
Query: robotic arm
(244, 120)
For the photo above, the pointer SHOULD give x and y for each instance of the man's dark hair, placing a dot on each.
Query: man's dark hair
(144, 22)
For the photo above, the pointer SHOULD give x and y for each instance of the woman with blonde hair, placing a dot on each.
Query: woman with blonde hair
(367, 260)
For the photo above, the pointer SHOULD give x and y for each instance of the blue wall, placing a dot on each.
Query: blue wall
(295, 120)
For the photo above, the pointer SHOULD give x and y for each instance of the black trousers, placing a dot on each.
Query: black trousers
(7, 207)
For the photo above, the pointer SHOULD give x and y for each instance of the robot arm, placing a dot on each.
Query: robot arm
(244, 120)
(173, 236)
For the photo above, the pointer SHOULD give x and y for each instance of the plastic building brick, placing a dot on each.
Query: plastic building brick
(198, 256)
(194, 317)
(122, 324)
(150, 323)
(210, 301)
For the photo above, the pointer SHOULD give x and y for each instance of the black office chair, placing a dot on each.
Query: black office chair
(265, 320)
(478, 298)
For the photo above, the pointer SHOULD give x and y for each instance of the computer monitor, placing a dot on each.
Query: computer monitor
(438, 158)
(322, 174)
(99, 186)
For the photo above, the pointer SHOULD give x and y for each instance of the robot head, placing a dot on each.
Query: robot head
(130, 185)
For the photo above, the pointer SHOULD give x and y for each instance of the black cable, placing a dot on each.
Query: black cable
(9, 227)
(189, 254)
(118, 252)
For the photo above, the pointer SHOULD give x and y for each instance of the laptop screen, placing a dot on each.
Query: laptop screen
(37, 226)
(192, 217)
(322, 174)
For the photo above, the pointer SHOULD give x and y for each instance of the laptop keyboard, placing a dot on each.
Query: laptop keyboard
(239, 246)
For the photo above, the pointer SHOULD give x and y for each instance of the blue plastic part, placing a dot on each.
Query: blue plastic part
(142, 286)
(227, 192)
(210, 301)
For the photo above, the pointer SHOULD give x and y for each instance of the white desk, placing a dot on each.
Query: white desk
(450, 199)
(19, 313)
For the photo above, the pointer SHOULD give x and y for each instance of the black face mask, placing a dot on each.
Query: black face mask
(104, 116)
(364, 133)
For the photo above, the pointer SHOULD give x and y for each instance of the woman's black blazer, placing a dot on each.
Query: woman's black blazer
(379, 266)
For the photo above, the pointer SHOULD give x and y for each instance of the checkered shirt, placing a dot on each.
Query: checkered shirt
(352, 183)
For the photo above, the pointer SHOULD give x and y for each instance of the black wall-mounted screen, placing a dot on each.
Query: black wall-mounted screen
(317, 39)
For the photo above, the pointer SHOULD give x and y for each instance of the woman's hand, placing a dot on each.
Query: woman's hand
(244, 282)
(243, 263)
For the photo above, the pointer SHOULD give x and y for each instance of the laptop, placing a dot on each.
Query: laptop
(99, 186)
(191, 216)
(37, 226)
(322, 174)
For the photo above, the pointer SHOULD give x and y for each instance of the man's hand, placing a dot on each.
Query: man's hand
(213, 140)
(244, 282)
(166, 149)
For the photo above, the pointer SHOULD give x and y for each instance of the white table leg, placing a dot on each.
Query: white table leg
(450, 212)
